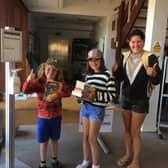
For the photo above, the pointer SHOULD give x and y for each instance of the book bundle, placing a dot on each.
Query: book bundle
(84, 91)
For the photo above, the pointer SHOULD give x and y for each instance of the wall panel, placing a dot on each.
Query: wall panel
(13, 13)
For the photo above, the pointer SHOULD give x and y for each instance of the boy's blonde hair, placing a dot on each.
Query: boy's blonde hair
(41, 70)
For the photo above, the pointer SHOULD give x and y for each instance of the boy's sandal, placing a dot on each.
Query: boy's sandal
(123, 162)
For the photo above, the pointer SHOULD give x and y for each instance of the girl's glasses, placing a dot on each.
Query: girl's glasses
(94, 59)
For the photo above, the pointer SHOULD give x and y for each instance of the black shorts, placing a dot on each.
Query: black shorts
(139, 106)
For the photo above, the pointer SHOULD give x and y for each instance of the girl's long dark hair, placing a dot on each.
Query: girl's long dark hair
(136, 32)
(90, 71)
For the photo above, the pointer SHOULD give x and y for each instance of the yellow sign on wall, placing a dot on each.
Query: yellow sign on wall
(156, 47)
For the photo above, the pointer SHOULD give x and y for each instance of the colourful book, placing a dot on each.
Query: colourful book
(51, 87)
(84, 91)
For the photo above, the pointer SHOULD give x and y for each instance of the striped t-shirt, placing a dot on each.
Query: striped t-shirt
(105, 87)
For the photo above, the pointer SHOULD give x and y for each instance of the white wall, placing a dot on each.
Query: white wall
(104, 31)
(155, 32)
(101, 34)
(109, 52)
(156, 24)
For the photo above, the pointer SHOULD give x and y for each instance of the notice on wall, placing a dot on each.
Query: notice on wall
(156, 47)
(11, 46)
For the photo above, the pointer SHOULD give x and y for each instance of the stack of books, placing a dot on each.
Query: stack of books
(84, 91)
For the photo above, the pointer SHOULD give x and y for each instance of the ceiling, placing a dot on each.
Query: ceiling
(41, 4)
(48, 18)
(38, 10)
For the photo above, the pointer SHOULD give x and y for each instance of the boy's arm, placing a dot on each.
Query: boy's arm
(64, 90)
(30, 85)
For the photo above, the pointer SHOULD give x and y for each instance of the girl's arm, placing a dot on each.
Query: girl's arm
(117, 69)
(154, 71)
(109, 94)
(111, 89)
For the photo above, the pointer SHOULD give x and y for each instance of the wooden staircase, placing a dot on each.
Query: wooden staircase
(129, 17)
(132, 14)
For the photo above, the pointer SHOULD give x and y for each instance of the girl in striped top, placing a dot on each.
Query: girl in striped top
(93, 110)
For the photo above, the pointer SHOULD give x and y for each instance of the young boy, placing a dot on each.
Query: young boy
(50, 89)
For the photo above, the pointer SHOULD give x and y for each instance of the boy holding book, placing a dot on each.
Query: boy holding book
(50, 89)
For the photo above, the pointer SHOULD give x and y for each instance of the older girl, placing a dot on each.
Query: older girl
(136, 78)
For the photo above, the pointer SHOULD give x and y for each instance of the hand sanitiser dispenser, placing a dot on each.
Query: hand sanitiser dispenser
(15, 81)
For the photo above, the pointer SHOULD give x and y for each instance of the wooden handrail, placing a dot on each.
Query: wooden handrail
(125, 24)
(119, 29)
(134, 13)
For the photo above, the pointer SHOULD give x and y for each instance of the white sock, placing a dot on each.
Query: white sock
(85, 163)
(95, 166)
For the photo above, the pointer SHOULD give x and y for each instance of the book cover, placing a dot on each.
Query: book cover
(51, 87)
(84, 91)
(79, 86)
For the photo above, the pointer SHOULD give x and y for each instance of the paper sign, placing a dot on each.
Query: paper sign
(11, 46)
(156, 47)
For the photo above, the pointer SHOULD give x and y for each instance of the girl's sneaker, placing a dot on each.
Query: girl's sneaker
(82, 166)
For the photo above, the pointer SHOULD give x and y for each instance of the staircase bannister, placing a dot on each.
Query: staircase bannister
(128, 12)
(119, 29)
(135, 10)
